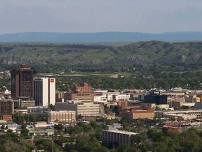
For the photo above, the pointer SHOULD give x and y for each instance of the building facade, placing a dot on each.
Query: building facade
(100, 96)
(122, 104)
(6, 107)
(82, 93)
(44, 91)
(61, 96)
(23, 103)
(89, 110)
(142, 114)
(114, 138)
(82, 109)
(62, 116)
(156, 98)
(181, 114)
(21, 82)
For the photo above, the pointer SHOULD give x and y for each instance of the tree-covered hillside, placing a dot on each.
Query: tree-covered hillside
(140, 55)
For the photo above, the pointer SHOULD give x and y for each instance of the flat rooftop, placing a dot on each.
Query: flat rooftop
(183, 111)
(121, 132)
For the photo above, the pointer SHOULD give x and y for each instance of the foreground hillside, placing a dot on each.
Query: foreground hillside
(172, 56)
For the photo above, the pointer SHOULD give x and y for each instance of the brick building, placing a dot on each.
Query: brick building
(142, 114)
(122, 104)
(136, 112)
(6, 110)
(6, 107)
(82, 93)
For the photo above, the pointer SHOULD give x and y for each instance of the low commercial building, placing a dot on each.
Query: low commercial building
(178, 105)
(6, 118)
(100, 96)
(61, 96)
(123, 97)
(42, 124)
(13, 126)
(41, 131)
(142, 114)
(110, 116)
(82, 93)
(122, 104)
(176, 96)
(114, 138)
(156, 97)
(155, 106)
(181, 114)
(148, 105)
(163, 106)
(112, 96)
(23, 103)
(38, 112)
(198, 105)
(6, 107)
(27, 103)
(192, 98)
(62, 116)
(89, 110)
(138, 113)
(21, 111)
(82, 109)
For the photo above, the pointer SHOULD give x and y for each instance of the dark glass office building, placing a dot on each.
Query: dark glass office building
(21, 82)
(156, 97)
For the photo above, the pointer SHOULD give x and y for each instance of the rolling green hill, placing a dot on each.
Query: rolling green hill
(139, 55)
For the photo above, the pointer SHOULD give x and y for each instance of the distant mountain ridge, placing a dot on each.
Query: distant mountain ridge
(50, 37)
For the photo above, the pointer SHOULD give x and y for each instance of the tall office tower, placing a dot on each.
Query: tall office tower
(21, 82)
(44, 91)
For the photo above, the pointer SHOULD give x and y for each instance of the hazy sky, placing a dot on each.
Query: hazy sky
(100, 15)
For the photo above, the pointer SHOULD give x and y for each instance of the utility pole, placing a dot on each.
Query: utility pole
(52, 143)
(33, 143)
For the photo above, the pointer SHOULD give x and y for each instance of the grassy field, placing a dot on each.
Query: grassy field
(96, 74)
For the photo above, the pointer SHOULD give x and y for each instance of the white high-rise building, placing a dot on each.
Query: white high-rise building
(52, 91)
(44, 91)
